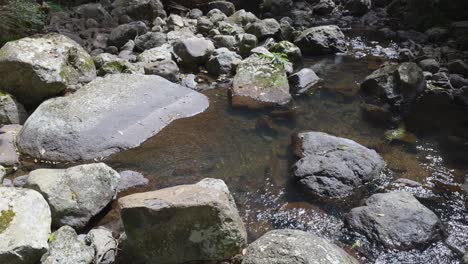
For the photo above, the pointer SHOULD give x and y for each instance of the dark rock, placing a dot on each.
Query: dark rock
(457, 81)
(246, 44)
(358, 7)
(225, 41)
(324, 7)
(123, 33)
(334, 167)
(303, 80)
(436, 34)
(292, 51)
(150, 40)
(204, 25)
(226, 7)
(223, 61)
(139, 9)
(430, 65)
(458, 67)
(395, 220)
(321, 40)
(263, 29)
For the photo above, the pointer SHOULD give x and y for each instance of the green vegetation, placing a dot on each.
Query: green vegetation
(395, 134)
(6, 217)
(20, 18)
(279, 59)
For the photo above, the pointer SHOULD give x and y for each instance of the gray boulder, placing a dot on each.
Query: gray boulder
(34, 69)
(260, 83)
(11, 111)
(203, 225)
(223, 61)
(8, 153)
(225, 41)
(292, 51)
(303, 80)
(108, 115)
(24, 226)
(334, 167)
(104, 244)
(247, 42)
(324, 7)
(66, 248)
(358, 7)
(321, 40)
(139, 9)
(75, 194)
(395, 220)
(167, 69)
(194, 51)
(150, 40)
(156, 54)
(429, 65)
(294, 247)
(226, 7)
(397, 85)
(120, 35)
(263, 29)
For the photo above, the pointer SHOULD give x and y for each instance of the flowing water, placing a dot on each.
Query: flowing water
(252, 152)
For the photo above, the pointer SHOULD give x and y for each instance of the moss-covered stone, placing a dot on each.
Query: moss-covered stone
(6, 217)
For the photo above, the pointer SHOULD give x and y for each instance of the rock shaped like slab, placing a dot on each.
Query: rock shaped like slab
(65, 247)
(24, 226)
(181, 224)
(260, 83)
(34, 69)
(395, 220)
(75, 194)
(334, 167)
(321, 40)
(9, 156)
(108, 115)
(294, 247)
(11, 111)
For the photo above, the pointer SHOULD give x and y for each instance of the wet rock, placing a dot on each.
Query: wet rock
(24, 226)
(106, 116)
(395, 220)
(104, 245)
(321, 40)
(246, 44)
(263, 29)
(292, 51)
(150, 40)
(430, 65)
(75, 194)
(334, 167)
(294, 247)
(131, 179)
(11, 111)
(303, 80)
(167, 69)
(120, 35)
(205, 225)
(194, 51)
(223, 61)
(260, 83)
(139, 9)
(458, 67)
(397, 85)
(224, 6)
(34, 69)
(378, 114)
(65, 247)
(358, 7)
(407, 182)
(8, 154)
(324, 7)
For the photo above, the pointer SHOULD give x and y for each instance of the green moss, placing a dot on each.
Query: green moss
(6, 217)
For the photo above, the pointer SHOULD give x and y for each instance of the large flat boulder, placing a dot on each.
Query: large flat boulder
(34, 69)
(294, 247)
(395, 220)
(108, 115)
(334, 167)
(24, 226)
(198, 222)
(75, 194)
(260, 82)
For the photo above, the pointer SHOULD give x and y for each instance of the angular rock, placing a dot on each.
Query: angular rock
(194, 51)
(321, 40)
(294, 247)
(34, 69)
(260, 83)
(167, 69)
(358, 7)
(215, 16)
(397, 85)
(104, 244)
(395, 220)
(11, 112)
(65, 247)
(224, 6)
(223, 61)
(120, 35)
(225, 41)
(334, 167)
(156, 54)
(303, 80)
(324, 7)
(108, 115)
(139, 9)
(24, 226)
(246, 44)
(199, 222)
(75, 194)
(130, 179)
(263, 29)
(8, 154)
(150, 40)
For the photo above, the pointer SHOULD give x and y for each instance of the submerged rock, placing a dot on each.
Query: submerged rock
(334, 167)
(75, 194)
(185, 223)
(395, 220)
(108, 115)
(303, 80)
(259, 82)
(65, 247)
(34, 69)
(294, 247)
(321, 40)
(24, 226)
